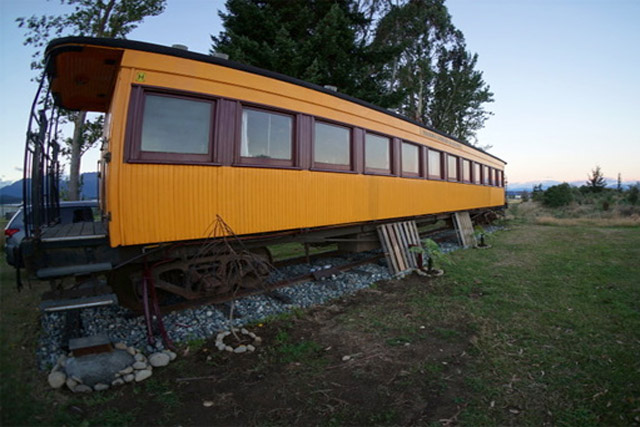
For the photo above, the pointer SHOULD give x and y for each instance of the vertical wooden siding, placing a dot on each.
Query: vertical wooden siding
(152, 203)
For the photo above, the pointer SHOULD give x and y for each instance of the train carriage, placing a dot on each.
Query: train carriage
(190, 138)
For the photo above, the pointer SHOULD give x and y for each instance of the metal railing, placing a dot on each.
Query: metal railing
(41, 180)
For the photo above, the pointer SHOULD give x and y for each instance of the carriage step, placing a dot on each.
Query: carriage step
(85, 296)
(99, 343)
(72, 303)
(53, 272)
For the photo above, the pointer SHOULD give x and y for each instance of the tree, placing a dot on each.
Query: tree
(316, 41)
(408, 56)
(433, 69)
(619, 183)
(557, 195)
(595, 181)
(110, 18)
(632, 195)
(537, 193)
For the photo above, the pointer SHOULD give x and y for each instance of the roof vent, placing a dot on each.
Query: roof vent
(331, 88)
(180, 46)
(220, 55)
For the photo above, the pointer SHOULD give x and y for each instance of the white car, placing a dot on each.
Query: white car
(70, 212)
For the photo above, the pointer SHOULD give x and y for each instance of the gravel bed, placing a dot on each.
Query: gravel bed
(203, 322)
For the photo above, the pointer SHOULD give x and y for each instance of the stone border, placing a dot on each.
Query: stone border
(242, 348)
(139, 370)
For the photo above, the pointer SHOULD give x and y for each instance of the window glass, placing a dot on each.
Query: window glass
(476, 173)
(435, 164)
(485, 174)
(466, 170)
(410, 158)
(452, 169)
(266, 135)
(332, 144)
(377, 152)
(175, 125)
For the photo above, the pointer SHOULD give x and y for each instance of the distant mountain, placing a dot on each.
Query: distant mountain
(13, 193)
(528, 186)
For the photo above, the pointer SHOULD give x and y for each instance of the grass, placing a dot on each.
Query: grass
(558, 325)
(549, 319)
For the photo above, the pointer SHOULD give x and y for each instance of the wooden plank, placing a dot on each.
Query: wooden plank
(413, 241)
(396, 249)
(384, 241)
(464, 227)
(407, 238)
(393, 262)
(400, 251)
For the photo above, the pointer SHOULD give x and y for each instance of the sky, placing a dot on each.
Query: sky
(565, 76)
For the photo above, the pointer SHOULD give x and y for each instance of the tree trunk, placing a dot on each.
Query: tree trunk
(76, 154)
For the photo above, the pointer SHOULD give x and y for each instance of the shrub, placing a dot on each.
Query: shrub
(632, 194)
(558, 195)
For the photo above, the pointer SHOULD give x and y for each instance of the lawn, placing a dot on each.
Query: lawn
(543, 328)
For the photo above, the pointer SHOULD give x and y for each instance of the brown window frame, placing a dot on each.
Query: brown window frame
(469, 170)
(477, 180)
(135, 115)
(331, 167)
(420, 173)
(240, 160)
(442, 165)
(377, 171)
(458, 177)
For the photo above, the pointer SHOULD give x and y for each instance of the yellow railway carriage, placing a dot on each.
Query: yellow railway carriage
(190, 137)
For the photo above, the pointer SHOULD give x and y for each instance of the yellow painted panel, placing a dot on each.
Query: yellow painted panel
(166, 203)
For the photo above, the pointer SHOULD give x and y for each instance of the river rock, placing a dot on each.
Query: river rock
(71, 383)
(240, 349)
(118, 381)
(120, 346)
(142, 375)
(159, 359)
(140, 357)
(100, 387)
(127, 370)
(172, 355)
(57, 379)
(139, 365)
(129, 377)
(82, 388)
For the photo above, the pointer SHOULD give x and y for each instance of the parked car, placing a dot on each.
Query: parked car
(70, 212)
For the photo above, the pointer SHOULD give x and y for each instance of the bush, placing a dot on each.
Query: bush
(632, 194)
(558, 195)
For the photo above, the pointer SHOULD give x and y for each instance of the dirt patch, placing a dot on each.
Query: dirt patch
(365, 359)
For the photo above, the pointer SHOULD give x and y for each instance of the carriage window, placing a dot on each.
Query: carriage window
(476, 173)
(466, 170)
(410, 159)
(435, 164)
(332, 146)
(452, 168)
(485, 174)
(175, 125)
(377, 155)
(266, 135)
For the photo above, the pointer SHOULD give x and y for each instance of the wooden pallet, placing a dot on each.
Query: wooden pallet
(464, 227)
(396, 239)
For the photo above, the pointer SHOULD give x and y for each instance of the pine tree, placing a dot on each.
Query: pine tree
(595, 181)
